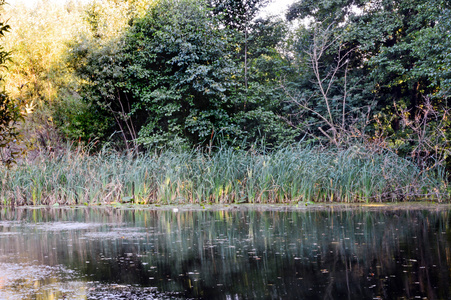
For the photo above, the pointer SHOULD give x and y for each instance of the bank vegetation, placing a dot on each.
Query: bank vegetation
(212, 101)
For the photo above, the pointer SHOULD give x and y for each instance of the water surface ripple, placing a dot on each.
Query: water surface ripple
(225, 253)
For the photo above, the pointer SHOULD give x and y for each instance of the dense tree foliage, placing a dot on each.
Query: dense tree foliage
(173, 77)
(152, 74)
(10, 111)
(380, 71)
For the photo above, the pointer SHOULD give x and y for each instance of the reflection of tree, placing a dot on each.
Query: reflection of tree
(253, 254)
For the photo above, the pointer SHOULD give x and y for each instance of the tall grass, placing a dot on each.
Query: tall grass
(290, 174)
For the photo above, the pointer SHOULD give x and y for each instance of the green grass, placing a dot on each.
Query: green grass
(288, 175)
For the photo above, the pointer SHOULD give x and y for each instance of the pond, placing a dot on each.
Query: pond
(235, 252)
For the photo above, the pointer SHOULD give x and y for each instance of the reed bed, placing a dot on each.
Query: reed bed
(288, 175)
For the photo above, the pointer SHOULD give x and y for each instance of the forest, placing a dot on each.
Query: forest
(211, 101)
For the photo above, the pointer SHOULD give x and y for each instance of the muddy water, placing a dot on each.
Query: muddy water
(225, 253)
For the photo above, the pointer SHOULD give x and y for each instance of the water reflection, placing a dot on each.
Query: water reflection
(88, 253)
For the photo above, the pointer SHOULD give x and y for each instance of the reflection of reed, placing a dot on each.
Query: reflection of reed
(353, 253)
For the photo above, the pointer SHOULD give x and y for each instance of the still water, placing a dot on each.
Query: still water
(225, 253)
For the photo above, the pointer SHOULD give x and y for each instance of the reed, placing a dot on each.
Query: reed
(288, 175)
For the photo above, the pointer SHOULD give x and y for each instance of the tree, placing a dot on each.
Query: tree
(256, 43)
(181, 48)
(399, 51)
(96, 57)
(326, 103)
(239, 17)
(260, 106)
(37, 74)
(162, 80)
(173, 77)
(397, 55)
(10, 113)
(392, 42)
(331, 100)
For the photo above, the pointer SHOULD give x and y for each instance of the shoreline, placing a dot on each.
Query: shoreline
(246, 206)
